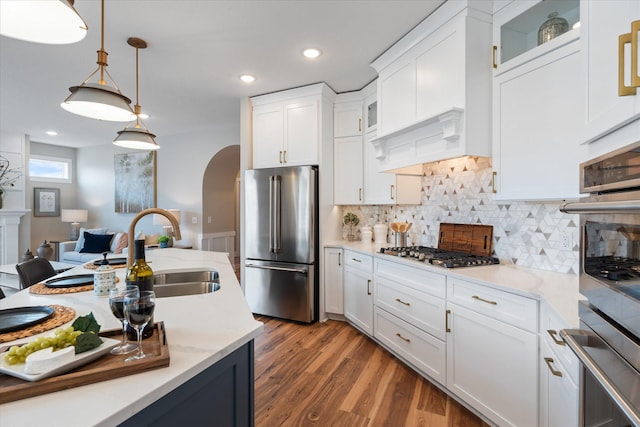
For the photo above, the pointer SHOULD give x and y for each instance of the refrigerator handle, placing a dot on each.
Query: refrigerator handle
(274, 213)
(268, 267)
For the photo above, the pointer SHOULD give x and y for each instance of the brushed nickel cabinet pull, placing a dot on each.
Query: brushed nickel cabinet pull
(369, 287)
(553, 335)
(285, 156)
(549, 361)
(402, 302)
(623, 90)
(392, 191)
(495, 56)
(280, 157)
(399, 335)
(356, 260)
(360, 125)
(339, 259)
(476, 297)
(446, 321)
(493, 183)
(360, 194)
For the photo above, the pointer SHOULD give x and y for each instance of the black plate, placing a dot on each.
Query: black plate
(70, 281)
(112, 261)
(13, 319)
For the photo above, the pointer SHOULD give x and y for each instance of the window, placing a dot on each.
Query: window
(50, 169)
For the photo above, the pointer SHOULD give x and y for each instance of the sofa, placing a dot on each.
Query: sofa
(92, 245)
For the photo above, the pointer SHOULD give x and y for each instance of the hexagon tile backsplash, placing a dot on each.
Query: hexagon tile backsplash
(459, 191)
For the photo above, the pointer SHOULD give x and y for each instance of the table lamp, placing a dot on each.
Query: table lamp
(166, 225)
(75, 217)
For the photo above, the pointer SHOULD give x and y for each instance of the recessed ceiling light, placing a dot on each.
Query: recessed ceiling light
(247, 78)
(51, 132)
(311, 53)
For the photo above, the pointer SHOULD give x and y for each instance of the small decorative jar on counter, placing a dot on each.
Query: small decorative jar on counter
(380, 233)
(104, 279)
(366, 233)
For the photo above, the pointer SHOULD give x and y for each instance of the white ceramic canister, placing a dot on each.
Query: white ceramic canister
(104, 279)
(366, 233)
(380, 233)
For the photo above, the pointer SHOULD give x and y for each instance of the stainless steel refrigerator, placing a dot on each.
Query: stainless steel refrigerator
(281, 238)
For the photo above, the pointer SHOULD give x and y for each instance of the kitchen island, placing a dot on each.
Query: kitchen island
(203, 332)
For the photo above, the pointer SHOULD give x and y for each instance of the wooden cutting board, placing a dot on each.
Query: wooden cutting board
(473, 239)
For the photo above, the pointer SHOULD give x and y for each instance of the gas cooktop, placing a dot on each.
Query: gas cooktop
(614, 268)
(443, 258)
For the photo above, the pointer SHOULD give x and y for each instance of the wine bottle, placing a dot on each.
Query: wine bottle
(140, 274)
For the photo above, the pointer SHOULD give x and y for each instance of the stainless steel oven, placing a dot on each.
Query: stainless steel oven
(608, 341)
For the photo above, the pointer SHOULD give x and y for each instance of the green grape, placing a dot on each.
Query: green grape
(61, 338)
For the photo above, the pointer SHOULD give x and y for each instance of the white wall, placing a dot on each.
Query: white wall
(181, 163)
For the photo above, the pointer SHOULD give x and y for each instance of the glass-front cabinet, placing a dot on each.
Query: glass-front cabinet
(524, 30)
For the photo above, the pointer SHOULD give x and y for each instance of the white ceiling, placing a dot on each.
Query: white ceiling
(196, 51)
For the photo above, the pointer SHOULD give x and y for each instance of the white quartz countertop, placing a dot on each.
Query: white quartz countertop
(560, 291)
(201, 329)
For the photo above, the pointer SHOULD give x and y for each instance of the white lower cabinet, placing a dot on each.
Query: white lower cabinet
(423, 351)
(559, 374)
(558, 393)
(493, 365)
(358, 290)
(498, 352)
(333, 281)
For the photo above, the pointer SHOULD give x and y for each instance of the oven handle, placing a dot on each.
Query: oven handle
(577, 340)
(631, 206)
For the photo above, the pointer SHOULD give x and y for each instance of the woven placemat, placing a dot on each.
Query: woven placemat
(90, 266)
(60, 316)
(42, 289)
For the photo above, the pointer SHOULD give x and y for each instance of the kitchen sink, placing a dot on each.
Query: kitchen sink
(180, 283)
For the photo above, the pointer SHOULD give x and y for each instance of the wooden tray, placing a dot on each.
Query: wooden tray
(473, 239)
(105, 368)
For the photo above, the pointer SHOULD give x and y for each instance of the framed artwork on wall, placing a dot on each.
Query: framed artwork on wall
(46, 201)
(135, 186)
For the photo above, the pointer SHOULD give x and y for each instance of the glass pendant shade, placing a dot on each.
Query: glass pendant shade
(101, 102)
(44, 21)
(137, 138)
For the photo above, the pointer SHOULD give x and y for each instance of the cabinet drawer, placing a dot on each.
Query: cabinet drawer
(550, 326)
(416, 278)
(358, 260)
(420, 309)
(421, 350)
(513, 309)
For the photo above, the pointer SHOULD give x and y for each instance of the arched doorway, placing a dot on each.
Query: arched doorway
(221, 202)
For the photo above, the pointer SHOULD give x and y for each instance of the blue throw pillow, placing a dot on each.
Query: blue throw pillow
(96, 243)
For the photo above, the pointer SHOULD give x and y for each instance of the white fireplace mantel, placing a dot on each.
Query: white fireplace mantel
(10, 234)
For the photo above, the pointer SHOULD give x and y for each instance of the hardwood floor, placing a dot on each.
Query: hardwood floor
(329, 374)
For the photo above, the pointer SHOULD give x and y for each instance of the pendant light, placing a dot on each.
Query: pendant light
(137, 136)
(99, 100)
(43, 21)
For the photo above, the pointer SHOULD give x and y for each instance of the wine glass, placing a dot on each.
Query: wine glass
(117, 297)
(138, 311)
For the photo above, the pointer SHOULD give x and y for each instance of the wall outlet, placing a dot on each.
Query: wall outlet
(194, 220)
(208, 220)
(565, 241)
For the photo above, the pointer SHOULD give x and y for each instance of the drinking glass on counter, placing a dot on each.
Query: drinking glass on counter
(138, 311)
(117, 297)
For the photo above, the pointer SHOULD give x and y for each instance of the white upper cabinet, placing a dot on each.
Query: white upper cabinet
(434, 90)
(347, 119)
(604, 23)
(516, 25)
(287, 126)
(538, 104)
(347, 172)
